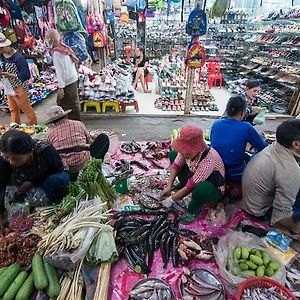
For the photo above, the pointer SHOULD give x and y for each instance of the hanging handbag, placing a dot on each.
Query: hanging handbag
(25, 37)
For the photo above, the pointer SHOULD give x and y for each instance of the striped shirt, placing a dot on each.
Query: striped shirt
(201, 169)
(67, 134)
(271, 179)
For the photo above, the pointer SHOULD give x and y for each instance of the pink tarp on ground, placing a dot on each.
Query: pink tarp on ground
(123, 279)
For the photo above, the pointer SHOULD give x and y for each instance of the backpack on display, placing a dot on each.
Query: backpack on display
(76, 41)
(140, 5)
(197, 22)
(99, 39)
(66, 16)
(4, 16)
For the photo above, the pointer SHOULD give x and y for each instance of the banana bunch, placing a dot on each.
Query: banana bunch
(219, 8)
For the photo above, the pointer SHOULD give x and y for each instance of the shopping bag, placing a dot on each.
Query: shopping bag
(260, 119)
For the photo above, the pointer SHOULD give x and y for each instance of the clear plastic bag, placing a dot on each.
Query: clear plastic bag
(223, 252)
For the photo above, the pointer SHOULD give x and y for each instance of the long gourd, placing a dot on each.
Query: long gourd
(14, 287)
(7, 277)
(26, 289)
(39, 275)
(53, 288)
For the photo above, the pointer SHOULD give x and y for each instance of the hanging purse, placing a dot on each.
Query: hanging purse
(10, 34)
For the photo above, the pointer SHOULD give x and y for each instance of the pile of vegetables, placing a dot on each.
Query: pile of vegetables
(69, 235)
(103, 248)
(138, 238)
(254, 262)
(17, 284)
(92, 180)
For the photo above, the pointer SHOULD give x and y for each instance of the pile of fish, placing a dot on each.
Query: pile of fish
(152, 289)
(293, 276)
(259, 293)
(130, 147)
(138, 238)
(197, 247)
(193, 287)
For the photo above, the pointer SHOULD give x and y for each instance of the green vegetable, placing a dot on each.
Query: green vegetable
(257, 260)
(245, 253)
(251, 265)
(2, 270)
(274, 265)
(7, 277)
(53, 288)
(253, 250)
(260, 271)
(14, 287)
(258, 253)
(243, 266)
(237, 253)
(39, 274)
(103, 248)
(94, 182)
(249, 273)
(266, 258)
(270, 272)
(26, 289)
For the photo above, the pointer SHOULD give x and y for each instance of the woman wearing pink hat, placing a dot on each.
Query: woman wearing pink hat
(200, 171)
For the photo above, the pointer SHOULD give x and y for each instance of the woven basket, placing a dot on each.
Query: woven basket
(263, 282)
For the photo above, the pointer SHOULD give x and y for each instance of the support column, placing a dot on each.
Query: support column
(189, 90)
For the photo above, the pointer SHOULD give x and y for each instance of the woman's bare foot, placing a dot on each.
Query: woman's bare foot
(147, 91)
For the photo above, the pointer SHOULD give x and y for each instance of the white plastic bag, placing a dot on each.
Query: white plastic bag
(223, 252)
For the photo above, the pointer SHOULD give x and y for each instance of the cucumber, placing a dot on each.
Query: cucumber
(12, 290)
(53, 288)
(7, 277)
(26, 289)
(2, 270)
(39, 275)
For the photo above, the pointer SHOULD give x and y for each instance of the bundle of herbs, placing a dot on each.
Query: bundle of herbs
(92, 180)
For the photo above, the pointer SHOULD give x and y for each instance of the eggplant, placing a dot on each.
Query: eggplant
(135, 263)
(163, 248)
(169, 245)
(175, 254)
(159, 232)
(182, 231)
(137, 237)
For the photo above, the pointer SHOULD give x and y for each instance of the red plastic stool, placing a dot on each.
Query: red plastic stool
(132, 103)
(214, 74)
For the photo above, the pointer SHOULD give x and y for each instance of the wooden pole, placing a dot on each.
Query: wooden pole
(189, 90)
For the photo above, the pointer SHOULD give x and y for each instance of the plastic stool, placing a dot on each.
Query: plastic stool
(95, 104)
(113, 104)
(132, 103)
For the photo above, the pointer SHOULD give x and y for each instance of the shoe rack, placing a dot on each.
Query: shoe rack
(162, 36)
(268, 51)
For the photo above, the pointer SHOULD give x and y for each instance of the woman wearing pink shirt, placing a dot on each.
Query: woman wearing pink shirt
(200, 171)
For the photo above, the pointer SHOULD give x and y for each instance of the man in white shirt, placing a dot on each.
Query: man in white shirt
(64, 60)
(271, 180)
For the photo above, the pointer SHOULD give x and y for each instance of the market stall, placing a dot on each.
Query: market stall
(110, 238)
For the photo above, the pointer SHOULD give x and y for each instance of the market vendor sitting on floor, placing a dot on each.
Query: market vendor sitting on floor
(271, 181)
(230, 137)
(26, 163)
(72, 140)
(200, 171)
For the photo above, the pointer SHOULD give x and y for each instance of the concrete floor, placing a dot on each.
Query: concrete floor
(151, 124)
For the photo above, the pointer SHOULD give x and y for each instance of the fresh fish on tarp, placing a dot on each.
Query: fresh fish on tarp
(194, 287)
(151, 289)
(149, 202)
